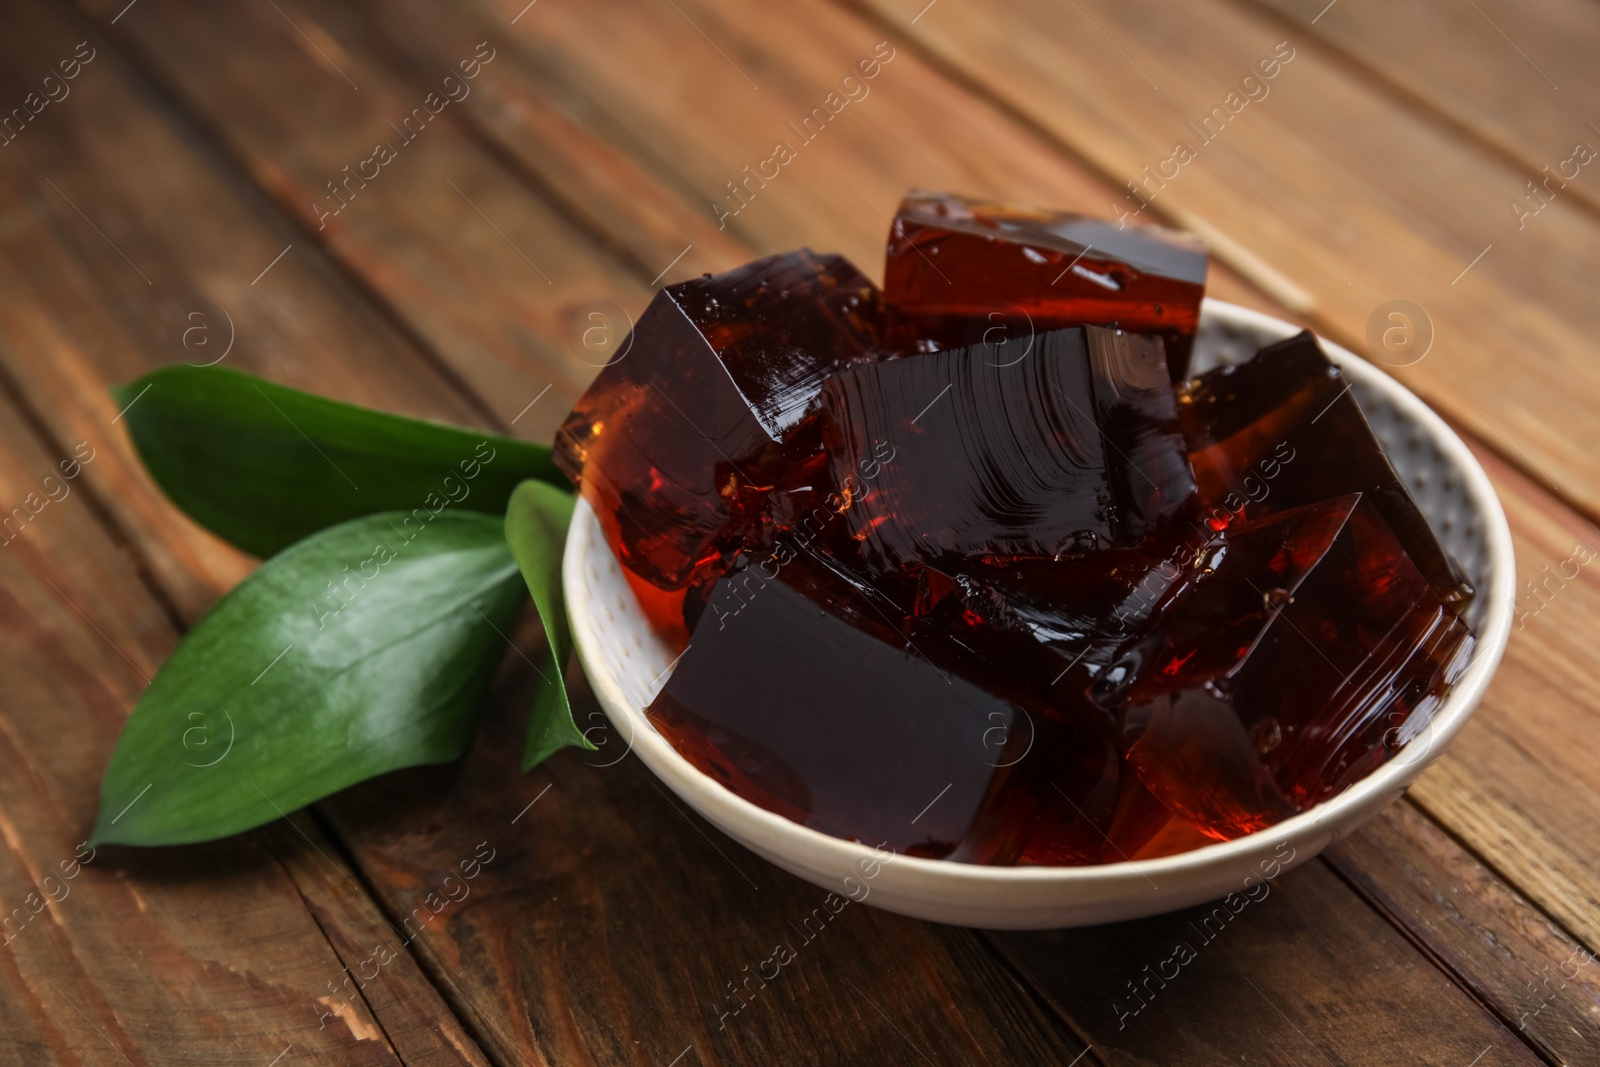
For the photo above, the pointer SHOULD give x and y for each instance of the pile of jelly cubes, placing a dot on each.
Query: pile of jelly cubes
(970, 567)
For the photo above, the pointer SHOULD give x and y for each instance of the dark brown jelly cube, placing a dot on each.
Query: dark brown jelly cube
(1303, 650)
(1070, 448)
(678, 442)
(1281, 430)
(842, 728)
(960, 270)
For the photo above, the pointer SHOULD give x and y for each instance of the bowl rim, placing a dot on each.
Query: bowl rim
(815, 849)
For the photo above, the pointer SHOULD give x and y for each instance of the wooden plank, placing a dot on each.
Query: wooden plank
(530, 114)
(1353, 198)
(491, 280)
(1295, 976)
(1512, 75)
(695, 115)
(1520, 784)
(1488, 937)
(111, 954)
(378, 968)
(106, 262)
(79, 317)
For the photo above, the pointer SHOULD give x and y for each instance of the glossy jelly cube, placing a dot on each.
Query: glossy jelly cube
(1302, 651)
(838, 726)
(1281, 430)
(679, 441)
(961, 271)
(1070, 448)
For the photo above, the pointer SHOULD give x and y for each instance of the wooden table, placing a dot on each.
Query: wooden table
(191, 168)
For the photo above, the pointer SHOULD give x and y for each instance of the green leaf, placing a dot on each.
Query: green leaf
(363, 648)
(536, 528)
(262, 466)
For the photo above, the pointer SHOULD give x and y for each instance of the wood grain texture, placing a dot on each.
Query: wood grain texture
(378, 969)
(488, 278)
(688, 131)
(1521, 784)
(118, 229)
(1292, 977)
(1353, 198)
(119, 955)
(1434, 57)
(532, 113)
(1488, 937)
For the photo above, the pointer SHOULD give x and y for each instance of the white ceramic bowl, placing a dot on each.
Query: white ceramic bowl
(627, 665)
